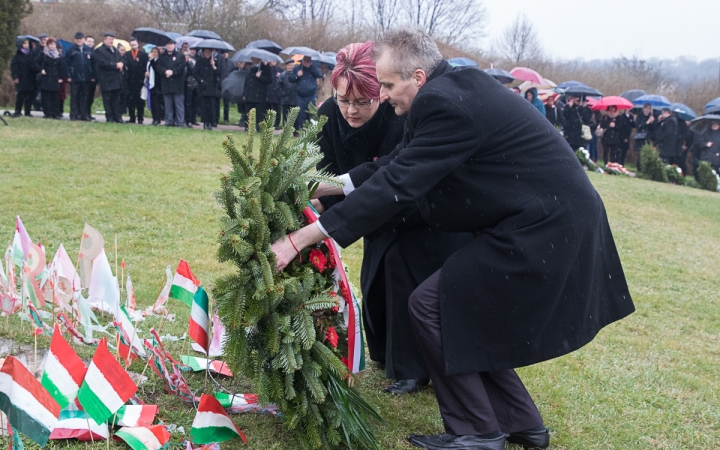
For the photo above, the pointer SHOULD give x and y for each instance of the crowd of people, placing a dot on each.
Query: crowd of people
(177, 84)
(583, 127)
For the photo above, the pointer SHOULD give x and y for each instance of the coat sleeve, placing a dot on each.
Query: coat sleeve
(265, 74)
(435, 150)
(294, 78)
(15, 68)
(315, 71)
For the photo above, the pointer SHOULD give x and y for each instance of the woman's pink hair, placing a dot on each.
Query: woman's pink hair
(356, 66)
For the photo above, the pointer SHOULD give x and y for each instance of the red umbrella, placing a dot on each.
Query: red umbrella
(591, 102)
(613, 100)
(525, 74)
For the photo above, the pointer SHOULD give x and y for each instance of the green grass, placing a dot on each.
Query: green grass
(650, 381)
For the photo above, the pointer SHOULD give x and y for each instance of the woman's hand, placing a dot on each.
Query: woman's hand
(42, 72)
(284, 249)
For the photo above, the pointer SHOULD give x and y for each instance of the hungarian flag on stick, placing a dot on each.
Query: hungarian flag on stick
(74, 424)
(64, 370)
(199, 318)
(212, 423)
(184, 284)
(136, 415)
(106, 387)
(29, 406)
(144, 438)
(198, 364)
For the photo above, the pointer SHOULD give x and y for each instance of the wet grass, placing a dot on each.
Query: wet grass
(649, 381)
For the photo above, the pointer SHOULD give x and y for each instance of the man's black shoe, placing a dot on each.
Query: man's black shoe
(169, 124)
(188, 125)
(530, 439)
(406, 386)
(451, 441)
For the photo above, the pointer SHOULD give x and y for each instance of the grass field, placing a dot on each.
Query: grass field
(650, 381)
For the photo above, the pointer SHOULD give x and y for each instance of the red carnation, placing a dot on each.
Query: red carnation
(317, 259)
(332, 336)
(334, 309)
(331, 261)
(345, 292)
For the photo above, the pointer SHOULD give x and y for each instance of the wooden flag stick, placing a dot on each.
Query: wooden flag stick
(130, 347)
(35, 354)
(87, 419)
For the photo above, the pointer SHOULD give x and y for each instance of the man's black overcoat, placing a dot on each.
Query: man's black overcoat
(174, 61)
(136, 68)
(542, 276)
(106, 59)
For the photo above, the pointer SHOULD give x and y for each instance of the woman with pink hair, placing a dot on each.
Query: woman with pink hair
(397, 259)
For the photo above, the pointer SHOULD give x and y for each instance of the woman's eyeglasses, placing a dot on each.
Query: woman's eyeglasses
(348, 103)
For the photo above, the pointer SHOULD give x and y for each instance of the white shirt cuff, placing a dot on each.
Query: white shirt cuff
(322, 228)
(349, 187)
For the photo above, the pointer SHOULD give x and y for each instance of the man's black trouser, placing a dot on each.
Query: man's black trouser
(472, 403)
(24, 98)
(79, 106)
(111, 102)
(91, 96)
(135, 104)
(259, 113)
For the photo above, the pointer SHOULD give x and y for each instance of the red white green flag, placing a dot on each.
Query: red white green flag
(212, 423)
(144, 438)
(64, 370)
(28, 405)
(199, 318)
(106, 386)
(135, 415)
(198, 364)
(74, 424)
(184, 284)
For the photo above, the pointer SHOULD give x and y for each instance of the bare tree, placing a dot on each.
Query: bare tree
(519, 42)
(450, 21)
(384, 14)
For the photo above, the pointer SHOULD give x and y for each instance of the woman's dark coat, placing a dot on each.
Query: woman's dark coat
(54, 70)
(174, 61)
(612, 136)
(642, 127)
(22, 68)
(710, 154)
(208, 79)
(288, 89)
(666, 136)
(575, 117)
(109, 77)
(542, 276)
(256, 87)
(422, 249)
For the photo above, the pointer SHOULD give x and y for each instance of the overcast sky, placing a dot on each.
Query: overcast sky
(611, 28)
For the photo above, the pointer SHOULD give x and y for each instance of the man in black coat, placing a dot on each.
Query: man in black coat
(81, 70)
(109, 69)
(136, 63)
(288, 91)
(171, 68)
(90, 42)
(644, 128)
(575, 115)
(256, 84)
(666, 136)
(541, 277)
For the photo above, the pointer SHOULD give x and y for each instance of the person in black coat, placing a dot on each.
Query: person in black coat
(52, 70)
(273, 94)
(666, 137)
(305, 75)
(90, 42)
(154, 83)
(709, 145)
(191, 85)
(575, 116)
(395, 261)
(625, 125)
(288, 91)
(207, 75)
(541, 277)
(225, 67)
(109, 69)
(610, 126)
(644, 128)
(81, 72)
(256, 83)
(684, 142)
(22, 71)
(171, 68)
(554, 112)
(136, 61)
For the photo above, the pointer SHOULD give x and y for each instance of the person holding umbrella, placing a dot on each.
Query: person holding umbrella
(288, 91)
(153, 84)
(610, 132)
(171, 68)
(22, 71)
(576, 117)
(207, 75)
(306, 76)
(644, 128)
(709, 144)
(666, 137)
(53, 72)
(258, 79)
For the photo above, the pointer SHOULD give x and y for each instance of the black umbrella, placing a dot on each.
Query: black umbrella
(205, 34)
(247, 53)
(152, 36)
(265, 44)
(233, 86)
(213, 44)
(305, 51)
(503, 76)
(701, 123)
(633, 94)
(586, 91)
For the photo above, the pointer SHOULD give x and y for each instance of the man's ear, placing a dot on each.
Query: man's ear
(420, 78)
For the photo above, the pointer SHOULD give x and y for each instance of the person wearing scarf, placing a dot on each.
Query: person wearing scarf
(52, 70)
(23, 74)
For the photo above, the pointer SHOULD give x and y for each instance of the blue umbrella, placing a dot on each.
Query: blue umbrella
(684, 112)
(65, 45)
(462, 62)
(148, 47)
(657, 101)
(571, 84)
(713, 106)
(327, 59)
(632, 94)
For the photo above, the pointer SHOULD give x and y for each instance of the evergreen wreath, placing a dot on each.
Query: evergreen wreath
(282, 328)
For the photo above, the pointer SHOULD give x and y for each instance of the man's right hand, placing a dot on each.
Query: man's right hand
(317, 205)
(17, 80)
(324, 190)
(119, 66)
(300, 73)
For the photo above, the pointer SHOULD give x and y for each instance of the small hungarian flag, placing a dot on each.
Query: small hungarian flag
(199, 318)
(212, 424)
(136, 415)
(106, 387)
(64, 370)
(144, 438)
(29, 406)
(184, 284)
(74, 424)
(198, 364)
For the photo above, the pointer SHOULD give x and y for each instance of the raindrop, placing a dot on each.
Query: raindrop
(517, 176)
(551, 245)
(610, 276)
(396, 199)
